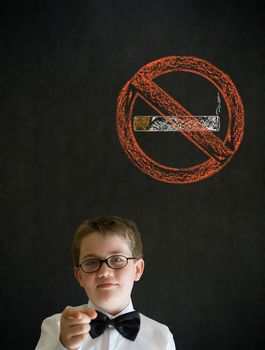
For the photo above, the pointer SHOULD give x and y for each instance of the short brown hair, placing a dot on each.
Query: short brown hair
(108, 225)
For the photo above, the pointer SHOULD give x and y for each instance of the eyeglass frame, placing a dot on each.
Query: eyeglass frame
(102, 261)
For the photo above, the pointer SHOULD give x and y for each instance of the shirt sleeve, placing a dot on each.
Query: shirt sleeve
(50, 332)
(171, 343)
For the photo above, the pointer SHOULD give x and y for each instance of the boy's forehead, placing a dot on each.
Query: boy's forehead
(99, 244)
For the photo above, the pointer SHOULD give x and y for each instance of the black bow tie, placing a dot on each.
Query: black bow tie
(127, 325)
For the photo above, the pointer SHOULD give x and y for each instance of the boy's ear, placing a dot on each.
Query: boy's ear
(139, 269)
(78, 276)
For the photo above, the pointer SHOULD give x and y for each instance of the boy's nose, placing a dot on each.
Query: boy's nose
(105, 270)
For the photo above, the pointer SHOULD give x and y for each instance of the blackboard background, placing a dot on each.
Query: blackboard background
(63, 66)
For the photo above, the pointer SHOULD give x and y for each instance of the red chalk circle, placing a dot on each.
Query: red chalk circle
(219, 152)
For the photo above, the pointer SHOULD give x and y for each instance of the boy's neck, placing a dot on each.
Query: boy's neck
(129, 307)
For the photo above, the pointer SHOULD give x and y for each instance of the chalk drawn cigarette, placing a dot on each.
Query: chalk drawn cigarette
(148, 123)
(153, 123)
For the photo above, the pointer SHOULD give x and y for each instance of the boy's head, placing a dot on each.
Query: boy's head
(107, 226)
(108, 283)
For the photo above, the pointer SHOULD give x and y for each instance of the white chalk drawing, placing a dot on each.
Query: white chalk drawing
(218, 108)
(152, 123)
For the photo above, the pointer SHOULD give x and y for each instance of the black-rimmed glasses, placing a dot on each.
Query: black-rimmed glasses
(114, 262)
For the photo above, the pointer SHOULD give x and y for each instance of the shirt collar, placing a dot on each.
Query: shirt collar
(128, 308)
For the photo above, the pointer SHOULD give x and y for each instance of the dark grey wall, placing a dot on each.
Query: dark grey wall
(64, 64)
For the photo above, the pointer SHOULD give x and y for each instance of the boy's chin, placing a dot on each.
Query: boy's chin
(111, 303)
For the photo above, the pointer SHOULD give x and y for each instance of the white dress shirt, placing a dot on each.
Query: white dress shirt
(152, 335)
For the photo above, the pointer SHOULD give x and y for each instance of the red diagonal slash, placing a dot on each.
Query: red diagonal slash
(158, 99)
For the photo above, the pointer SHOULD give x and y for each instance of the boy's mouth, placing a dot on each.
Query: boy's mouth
(106, 285)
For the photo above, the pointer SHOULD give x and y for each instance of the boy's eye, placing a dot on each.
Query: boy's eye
(117, 261)
(90, 263)
(117, 258)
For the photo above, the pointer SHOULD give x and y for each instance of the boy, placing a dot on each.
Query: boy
(107, 255)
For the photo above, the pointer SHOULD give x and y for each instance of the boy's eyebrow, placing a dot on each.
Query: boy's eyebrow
(87, 256)
(96, 256)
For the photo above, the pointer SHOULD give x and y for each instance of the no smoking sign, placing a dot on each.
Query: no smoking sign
(219, 152)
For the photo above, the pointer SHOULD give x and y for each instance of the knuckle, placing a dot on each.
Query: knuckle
(83, 328)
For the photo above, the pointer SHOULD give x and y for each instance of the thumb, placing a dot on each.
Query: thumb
(71, 313)
(91, 313)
